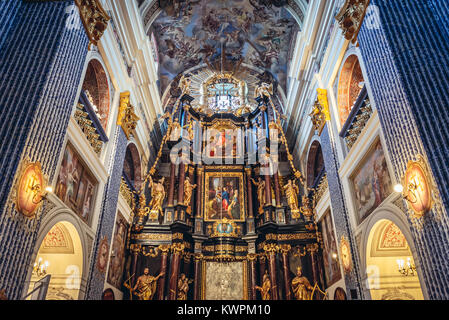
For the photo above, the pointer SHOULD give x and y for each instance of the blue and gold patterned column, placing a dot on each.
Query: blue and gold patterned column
(126, 122)
(41, 62)
(405, 45)
(344, 236)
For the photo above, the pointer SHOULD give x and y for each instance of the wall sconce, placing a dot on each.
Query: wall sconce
(334, 256)
(40, 269)
(406, 268)
(40, 196)
(410, 194)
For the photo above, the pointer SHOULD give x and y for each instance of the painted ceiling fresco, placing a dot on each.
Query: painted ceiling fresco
(245, 30)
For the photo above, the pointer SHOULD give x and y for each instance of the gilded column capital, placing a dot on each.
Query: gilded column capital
(94, 19)
(164, 248)
(252, 256)
(271, 248)
(312, 248)
(285, 248)
(177, 248)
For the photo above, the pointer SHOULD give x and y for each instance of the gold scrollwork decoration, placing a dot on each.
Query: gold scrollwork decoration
(94, 19)
(127, 118)
(350, 18)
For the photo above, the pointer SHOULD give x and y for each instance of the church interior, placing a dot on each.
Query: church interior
(224, 150)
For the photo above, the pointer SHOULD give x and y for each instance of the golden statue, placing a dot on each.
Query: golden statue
(260, 192)
(266, 287)
(157, 196)
(142, 211)
(145, 287)
(183, 287)
(264, 89)
(184, 84)
(291, 192)
(188, 190)
(306, 208)
(301, 286)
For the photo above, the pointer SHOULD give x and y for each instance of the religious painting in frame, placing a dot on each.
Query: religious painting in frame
(330, 251)
(223, 141)
(224, 281)
(76, 186)
(223, 196)
(371, 182)
(118, 252)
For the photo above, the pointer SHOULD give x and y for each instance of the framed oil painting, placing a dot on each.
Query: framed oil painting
(223, 196)
(118, 253)
(223, 140)
(371, 183)
(75, 185)
(330, 251)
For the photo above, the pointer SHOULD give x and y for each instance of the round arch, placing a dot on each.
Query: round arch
(96, 87)
(315, 162)
(349, 85)
(374, 263)
(68, 226)
(132, 166)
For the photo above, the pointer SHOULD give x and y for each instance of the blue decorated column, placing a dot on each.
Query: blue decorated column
(405, 45)
(340, 214)
(41, 62)
(97, 276)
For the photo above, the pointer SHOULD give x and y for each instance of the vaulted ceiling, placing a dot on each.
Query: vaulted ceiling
(258, 34)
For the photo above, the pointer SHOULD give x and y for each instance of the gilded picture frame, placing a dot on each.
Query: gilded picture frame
(418, 187)
(216, 203)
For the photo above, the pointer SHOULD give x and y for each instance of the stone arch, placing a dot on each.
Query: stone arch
(315, 163)
(132, 166)
(349, 86)
(68, 257)
(379, 220)
(96, 87)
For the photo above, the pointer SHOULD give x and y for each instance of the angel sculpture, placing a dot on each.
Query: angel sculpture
(260, 193)
(183, 287)
(188, 190)
(291, 192)
(157, 196)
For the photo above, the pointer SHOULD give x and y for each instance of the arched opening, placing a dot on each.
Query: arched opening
(390, 265)
(340, 294)
(349, 86)
(132, 170)
(61, 256)
(315, 165)
(96, 88)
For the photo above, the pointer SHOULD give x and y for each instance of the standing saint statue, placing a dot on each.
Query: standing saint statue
(301, 286)
(260, 193)
(157, 196)
(266, 287)
(291, 192)
(145, 287)
(188, 190)
(183, 287)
